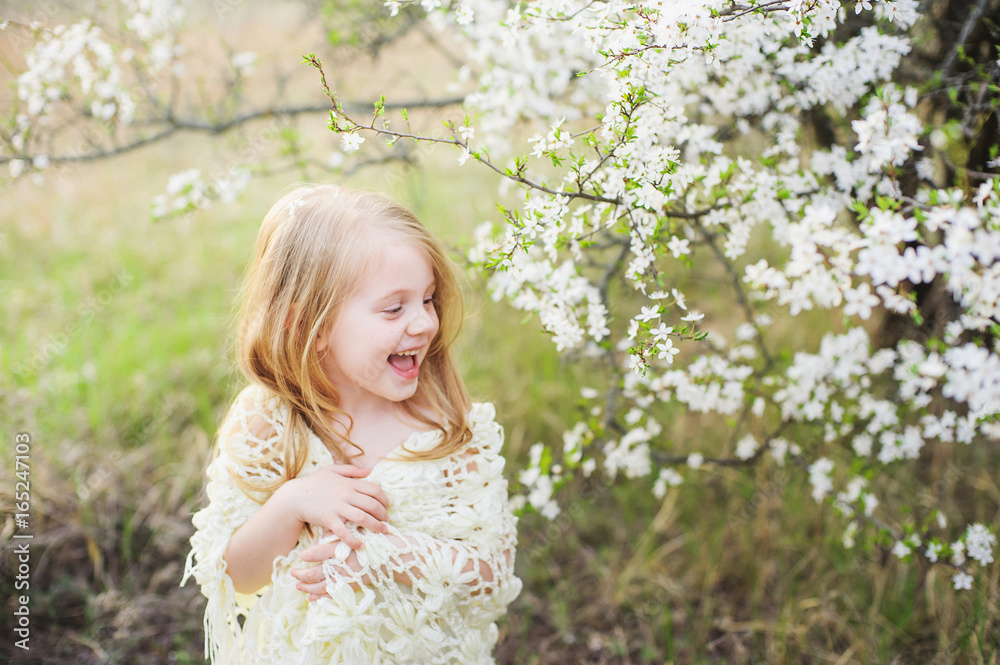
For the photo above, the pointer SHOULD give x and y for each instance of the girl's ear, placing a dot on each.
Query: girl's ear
(320, 344)
(290, 319)
(293, 313)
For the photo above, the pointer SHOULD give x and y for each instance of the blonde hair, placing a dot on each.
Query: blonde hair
(314, 248)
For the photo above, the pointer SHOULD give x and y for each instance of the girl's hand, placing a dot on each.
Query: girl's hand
(312, 581)
(335, 495)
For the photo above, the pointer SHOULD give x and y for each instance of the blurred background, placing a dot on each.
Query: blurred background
(115, 355)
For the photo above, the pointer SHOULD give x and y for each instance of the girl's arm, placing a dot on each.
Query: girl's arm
(326, 499)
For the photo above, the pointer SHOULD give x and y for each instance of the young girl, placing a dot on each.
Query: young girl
(357, 508)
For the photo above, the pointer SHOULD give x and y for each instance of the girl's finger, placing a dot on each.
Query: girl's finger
(320, 552)
(365, 516)
(349, 470)
(312, 575)
(374, 491)
(372, 506)
(343, 533)
(319, 588)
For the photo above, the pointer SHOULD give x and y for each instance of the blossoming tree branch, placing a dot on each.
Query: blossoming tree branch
(779, 146)
(829, 168)
(127, 76)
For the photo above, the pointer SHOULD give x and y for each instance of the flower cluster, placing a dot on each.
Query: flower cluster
(105, 85)
(569, 306)
(697, 168)
(79, 54)
(81, 71)
(189, 190)
(74, 62)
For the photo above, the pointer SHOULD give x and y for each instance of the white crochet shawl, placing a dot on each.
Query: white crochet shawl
(451, 513)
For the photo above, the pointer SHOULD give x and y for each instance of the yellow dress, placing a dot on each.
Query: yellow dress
(458, 538)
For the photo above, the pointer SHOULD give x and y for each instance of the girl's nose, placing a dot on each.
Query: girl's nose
(422, 322)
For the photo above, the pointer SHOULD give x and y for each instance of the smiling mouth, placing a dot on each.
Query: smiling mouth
(405, 361)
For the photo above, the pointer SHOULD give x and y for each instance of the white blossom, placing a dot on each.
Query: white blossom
(746, 447)
(244, 62)
(668, 477)
(351, 142)
(961, 581)
(819, 477)
(979, 543)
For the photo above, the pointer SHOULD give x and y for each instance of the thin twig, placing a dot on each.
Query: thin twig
(740, 294)
(174, 125)
(963, 35)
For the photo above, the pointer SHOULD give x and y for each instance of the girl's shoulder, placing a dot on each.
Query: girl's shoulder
(481, 455)
(256, 396)
(248, 442)
(487, 434)
(482, 415)
(256, 414)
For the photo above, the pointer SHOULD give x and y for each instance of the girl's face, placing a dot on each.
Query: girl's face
(374, 351)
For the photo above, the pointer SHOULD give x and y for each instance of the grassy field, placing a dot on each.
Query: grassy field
(115, 356)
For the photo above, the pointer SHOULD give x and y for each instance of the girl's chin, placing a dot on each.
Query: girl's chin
(403, 388)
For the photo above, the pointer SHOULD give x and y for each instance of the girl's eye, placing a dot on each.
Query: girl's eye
(394, 310)
(429, 300)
